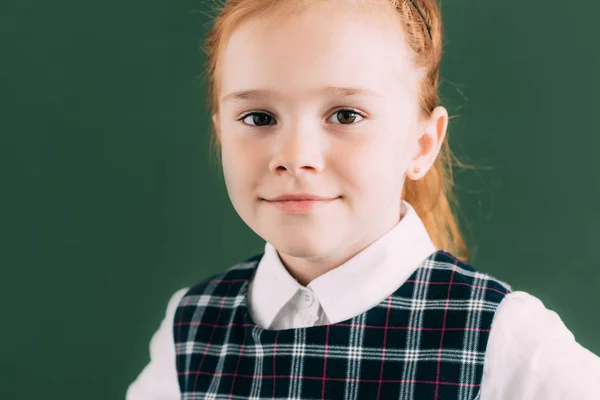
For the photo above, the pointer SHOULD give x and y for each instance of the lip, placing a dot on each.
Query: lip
(301, 197)
(300, 204)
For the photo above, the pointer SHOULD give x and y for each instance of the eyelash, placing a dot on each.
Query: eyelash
(352, 110)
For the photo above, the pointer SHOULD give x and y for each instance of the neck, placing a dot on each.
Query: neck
(306, 269)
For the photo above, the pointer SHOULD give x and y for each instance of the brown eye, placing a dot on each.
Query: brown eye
(258, 119)
(347, 116)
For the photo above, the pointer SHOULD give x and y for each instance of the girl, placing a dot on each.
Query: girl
(334, 151)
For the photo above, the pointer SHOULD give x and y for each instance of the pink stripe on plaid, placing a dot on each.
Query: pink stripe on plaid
(387, 324)
(180, 324)
(340, 324)
(439, 365)
(319, 378)
(237, 366)
(456, 283)
(274, 358)
(209, 341)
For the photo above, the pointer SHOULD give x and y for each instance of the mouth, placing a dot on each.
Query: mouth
(300, 206)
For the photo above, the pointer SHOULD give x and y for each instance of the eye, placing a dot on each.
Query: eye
(257, 119)
(347, 116)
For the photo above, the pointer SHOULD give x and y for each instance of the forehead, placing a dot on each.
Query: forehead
(340, 47)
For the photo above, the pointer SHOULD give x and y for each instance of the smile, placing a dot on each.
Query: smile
(300, 206)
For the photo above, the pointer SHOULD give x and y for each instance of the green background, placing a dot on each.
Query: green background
(109, 201)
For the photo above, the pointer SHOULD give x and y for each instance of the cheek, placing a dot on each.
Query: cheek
(374, 171)
(236, 169)
(238, 183)
(243, 170)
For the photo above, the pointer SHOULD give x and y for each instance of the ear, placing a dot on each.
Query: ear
(429, 142)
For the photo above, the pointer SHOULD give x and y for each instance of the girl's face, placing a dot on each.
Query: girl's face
(295, 130)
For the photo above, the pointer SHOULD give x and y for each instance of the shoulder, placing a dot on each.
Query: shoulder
(462, 277)
(525, 317)
(532, 354)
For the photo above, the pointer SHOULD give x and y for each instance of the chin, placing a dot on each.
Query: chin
(297, 246)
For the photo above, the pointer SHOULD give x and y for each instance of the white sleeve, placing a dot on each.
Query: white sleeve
(158, 380)
(532, 355)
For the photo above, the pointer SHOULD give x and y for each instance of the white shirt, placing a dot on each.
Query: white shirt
(531, 355)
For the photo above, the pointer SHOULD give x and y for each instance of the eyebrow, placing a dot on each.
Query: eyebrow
(258, 94)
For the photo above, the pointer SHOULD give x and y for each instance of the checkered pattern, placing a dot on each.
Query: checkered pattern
(425, 341)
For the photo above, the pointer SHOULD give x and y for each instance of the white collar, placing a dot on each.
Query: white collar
(355, 286)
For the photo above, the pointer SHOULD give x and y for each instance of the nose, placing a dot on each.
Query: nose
(298, 151)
